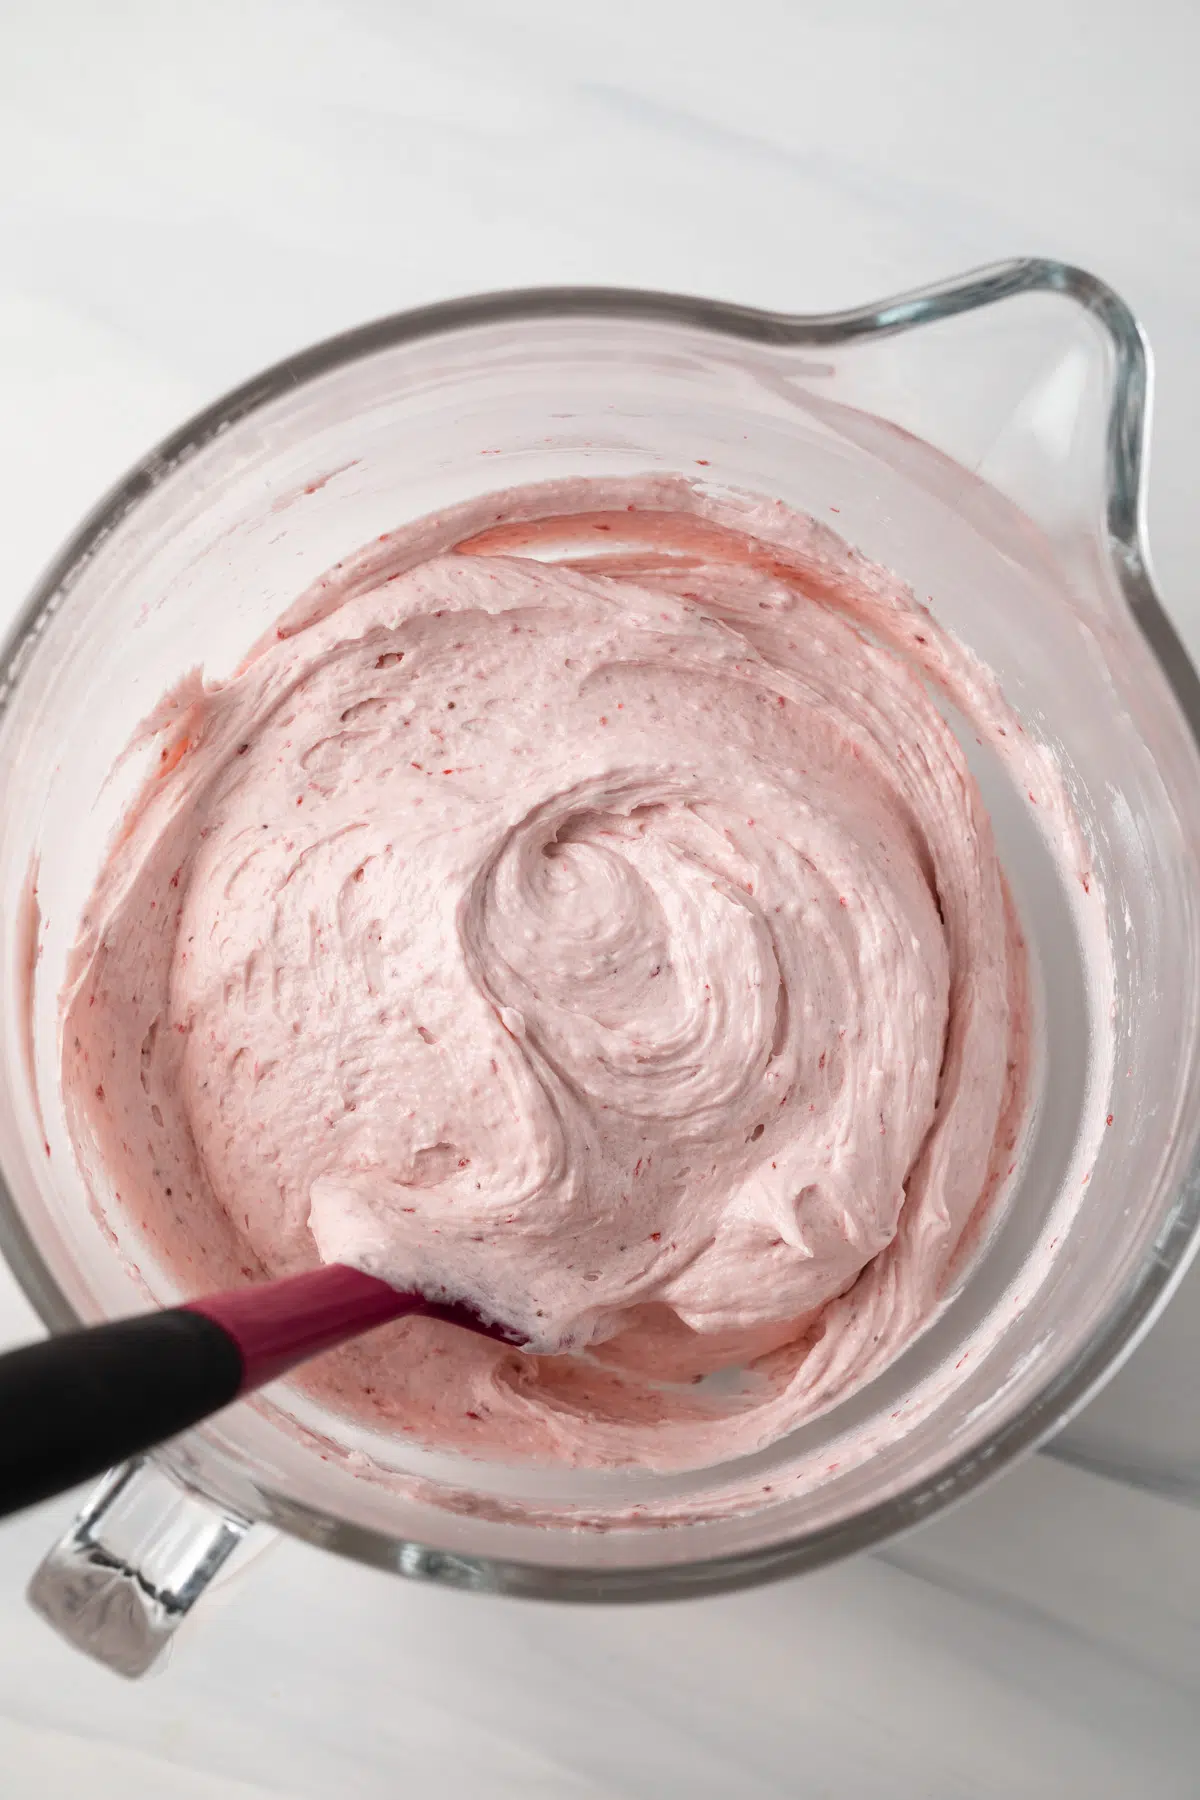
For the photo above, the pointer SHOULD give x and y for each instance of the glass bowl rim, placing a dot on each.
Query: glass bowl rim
(1124, 512)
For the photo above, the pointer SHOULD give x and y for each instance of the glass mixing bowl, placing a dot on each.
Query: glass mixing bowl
(985, 440)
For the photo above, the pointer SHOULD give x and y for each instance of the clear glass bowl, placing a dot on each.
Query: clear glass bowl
(984, 439)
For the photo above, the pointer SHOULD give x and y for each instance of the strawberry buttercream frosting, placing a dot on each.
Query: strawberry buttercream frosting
(579, 904)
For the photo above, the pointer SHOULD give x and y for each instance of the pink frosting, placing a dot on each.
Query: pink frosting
(579, 906)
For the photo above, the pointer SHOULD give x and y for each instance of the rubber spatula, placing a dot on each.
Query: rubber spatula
(73, 1405)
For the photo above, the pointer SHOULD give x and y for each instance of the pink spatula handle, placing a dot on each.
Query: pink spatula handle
(277, 1324)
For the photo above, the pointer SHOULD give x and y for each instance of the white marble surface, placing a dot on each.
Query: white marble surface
(186, 194)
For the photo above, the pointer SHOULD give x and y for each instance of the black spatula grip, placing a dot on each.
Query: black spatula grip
(74, 1405)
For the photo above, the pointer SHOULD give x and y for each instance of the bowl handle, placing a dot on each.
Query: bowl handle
(137, 1558)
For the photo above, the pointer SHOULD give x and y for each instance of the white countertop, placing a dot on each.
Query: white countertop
(189, 193)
